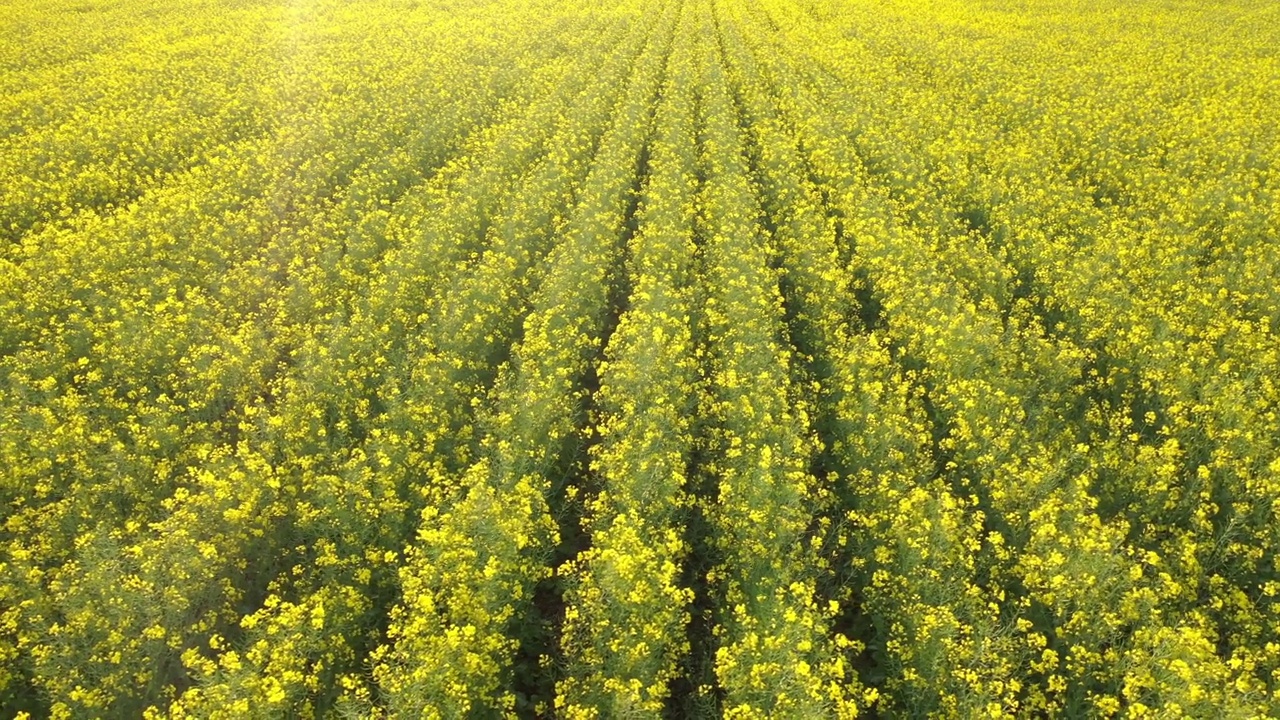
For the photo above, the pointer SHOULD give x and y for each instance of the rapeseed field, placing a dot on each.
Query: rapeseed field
(639, 359)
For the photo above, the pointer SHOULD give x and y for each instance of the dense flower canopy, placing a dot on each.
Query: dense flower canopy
(675, 358)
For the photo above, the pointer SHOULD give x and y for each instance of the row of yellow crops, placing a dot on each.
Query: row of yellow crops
(683, 358)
